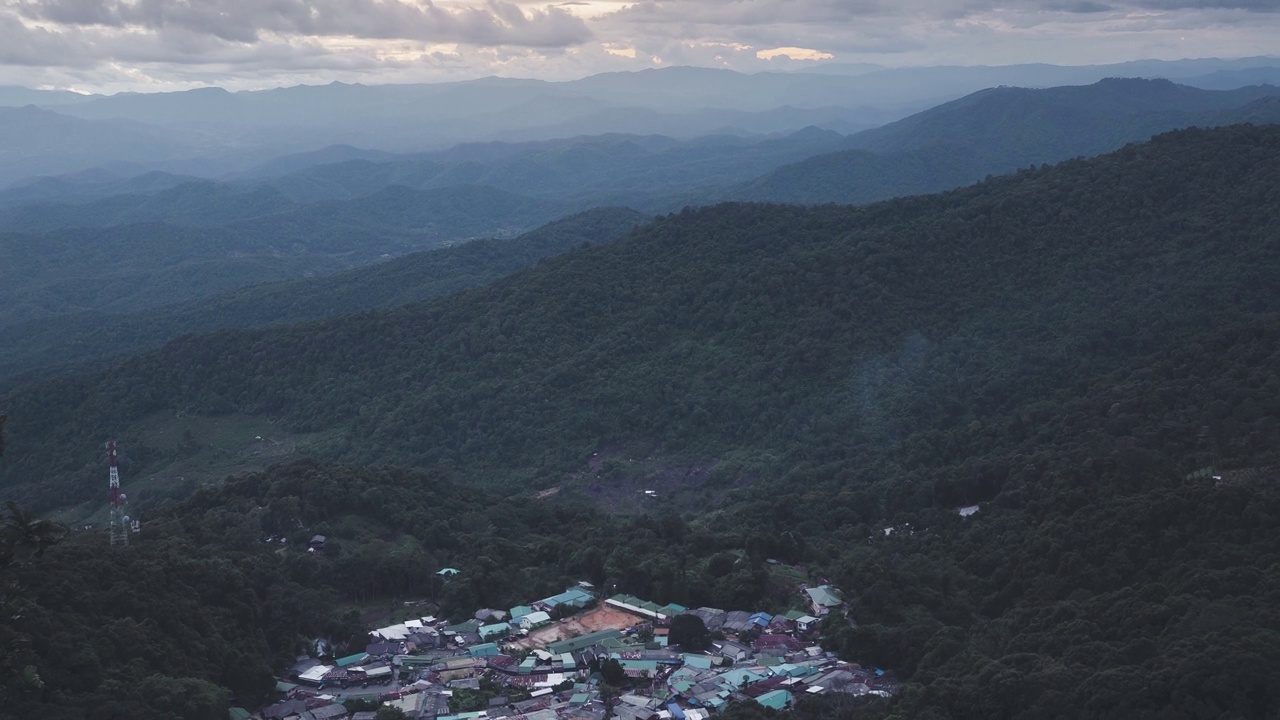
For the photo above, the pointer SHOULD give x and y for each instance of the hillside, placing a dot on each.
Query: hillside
(1087, 352)
(46, 345)
(136, 252)
(774, 329)
(630, 169)
(1001, 130)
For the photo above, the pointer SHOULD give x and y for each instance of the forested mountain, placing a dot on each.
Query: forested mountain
(1057, 122)
(1002, 129)
(45, 345)
(500, 184)
(749, 326)
(1073, 348)
(631, 169)
(130, 253)
(1088, 351)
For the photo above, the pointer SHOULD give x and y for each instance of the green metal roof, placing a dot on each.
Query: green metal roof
(777, 699)
(351, 659)
(582, 641)
(824, 596)
(702, 662)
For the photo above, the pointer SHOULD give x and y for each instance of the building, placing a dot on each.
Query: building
(533, 620)
(573, 599)
(777, 699)
(823, 599)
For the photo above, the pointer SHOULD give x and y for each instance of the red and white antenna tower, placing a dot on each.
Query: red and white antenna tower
(116, 499)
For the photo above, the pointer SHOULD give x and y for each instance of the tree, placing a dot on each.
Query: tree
(612, 672)
(690, 633)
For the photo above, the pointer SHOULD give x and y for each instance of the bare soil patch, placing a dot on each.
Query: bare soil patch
(603, 617)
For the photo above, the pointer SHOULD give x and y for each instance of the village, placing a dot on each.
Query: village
(573, 656)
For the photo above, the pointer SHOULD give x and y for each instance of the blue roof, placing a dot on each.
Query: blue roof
(676, 711)
(762, 619)
(572, 596)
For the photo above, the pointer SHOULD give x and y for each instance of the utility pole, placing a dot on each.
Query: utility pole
(115, 499)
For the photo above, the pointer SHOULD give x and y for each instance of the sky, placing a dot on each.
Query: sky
(154, 45)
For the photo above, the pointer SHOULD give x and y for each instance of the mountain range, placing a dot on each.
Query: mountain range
(210, 132)
(346, 207)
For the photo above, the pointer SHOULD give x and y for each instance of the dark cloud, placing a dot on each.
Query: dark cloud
(35, 47)
(491, 23)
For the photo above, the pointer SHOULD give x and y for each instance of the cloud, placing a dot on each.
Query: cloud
(490, 23)
(145, 44)
(793, 53)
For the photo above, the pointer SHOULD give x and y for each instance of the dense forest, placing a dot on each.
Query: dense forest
(901, 333)
(1088, 352)
(135, 252)
(47, 345)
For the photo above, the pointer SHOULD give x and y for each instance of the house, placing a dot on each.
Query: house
(582, 642)
(823, 599)
(496, 630)
(332, 711)
(285, 709)
(534, 620)
(573, 599)
(777, 699)
(376, 649)
(350, 660)
(314, 675)
(737, 621)
(805, 623)
(317, 542)
(732, 650)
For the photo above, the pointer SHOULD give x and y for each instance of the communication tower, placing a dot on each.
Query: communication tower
(120, 525)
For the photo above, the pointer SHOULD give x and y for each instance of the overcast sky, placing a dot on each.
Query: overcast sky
(111, 45)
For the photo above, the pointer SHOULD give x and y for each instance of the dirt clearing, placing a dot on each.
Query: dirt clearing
(603, 617)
